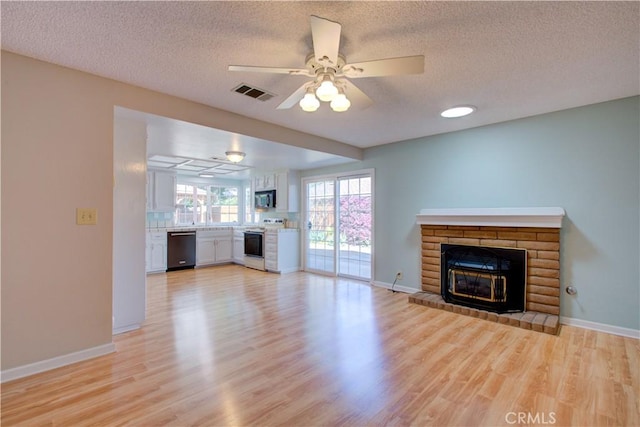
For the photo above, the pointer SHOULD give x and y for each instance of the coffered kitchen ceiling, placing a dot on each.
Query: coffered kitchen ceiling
(510, 59)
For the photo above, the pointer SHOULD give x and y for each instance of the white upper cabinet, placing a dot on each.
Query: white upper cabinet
(265, 181)
(287, 191)
(287, 186)
(161, 191)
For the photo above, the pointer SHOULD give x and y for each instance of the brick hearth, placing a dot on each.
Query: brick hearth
(540, 322)
(543, 270)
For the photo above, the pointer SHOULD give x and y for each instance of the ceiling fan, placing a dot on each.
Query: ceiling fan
(331, 72)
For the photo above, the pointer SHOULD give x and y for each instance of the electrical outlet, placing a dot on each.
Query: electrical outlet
(86, 216)
(399, 275)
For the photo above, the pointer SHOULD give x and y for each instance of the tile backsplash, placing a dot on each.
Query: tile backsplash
(159, 219)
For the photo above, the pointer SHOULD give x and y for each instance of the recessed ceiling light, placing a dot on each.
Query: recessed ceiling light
(206, 175)
(459, 111)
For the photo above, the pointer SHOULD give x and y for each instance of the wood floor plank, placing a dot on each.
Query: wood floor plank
(229, 346)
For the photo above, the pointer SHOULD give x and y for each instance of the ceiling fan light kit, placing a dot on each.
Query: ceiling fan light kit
(309, 102)
(327, 90)
(235, 156)
(331, 72)
(340, 103)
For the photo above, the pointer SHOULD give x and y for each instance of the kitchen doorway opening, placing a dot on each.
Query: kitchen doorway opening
(338, 237)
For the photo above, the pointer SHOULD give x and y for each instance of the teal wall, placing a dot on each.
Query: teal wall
(586, 160)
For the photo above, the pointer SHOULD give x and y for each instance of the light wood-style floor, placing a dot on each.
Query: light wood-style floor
(229, 346)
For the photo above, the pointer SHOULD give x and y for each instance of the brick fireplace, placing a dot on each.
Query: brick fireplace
(536, 230)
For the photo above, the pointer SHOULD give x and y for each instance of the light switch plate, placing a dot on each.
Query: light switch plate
(86, 216)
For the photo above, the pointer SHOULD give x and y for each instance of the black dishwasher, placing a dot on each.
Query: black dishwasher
(181, 250)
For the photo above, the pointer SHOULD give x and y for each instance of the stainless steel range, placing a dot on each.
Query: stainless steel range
(254, 242)
(254, 248)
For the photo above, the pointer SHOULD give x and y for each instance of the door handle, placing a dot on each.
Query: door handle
(309, 225)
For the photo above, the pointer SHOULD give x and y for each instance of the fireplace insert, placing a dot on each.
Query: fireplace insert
(482, 277)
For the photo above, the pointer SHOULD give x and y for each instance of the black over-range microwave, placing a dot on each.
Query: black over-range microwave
(265, 199)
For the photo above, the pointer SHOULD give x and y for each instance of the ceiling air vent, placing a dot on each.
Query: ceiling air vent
(253, 92)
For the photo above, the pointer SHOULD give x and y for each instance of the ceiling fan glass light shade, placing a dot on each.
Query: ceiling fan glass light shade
(309, 103)
(235, 156)
(458, 111)
(340, 103)
(327, 90)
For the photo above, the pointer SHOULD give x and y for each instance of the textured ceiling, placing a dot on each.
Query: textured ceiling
(510, 59)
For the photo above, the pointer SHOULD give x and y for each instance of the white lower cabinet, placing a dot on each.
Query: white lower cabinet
(282, 250)
(213, 247)
(156, 251)
(238, 247)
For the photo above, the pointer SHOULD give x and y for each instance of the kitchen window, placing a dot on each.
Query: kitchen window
(203, 204)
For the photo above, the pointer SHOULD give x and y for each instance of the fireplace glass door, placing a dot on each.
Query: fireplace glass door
(483, 277)
(487, 287)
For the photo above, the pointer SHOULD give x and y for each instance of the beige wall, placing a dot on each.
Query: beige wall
(57, 143)
(57, 155)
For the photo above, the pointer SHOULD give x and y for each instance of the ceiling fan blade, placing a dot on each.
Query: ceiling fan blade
(326, 40)
(385, 67)
(273, 70)
(294, 98)
(357, 97)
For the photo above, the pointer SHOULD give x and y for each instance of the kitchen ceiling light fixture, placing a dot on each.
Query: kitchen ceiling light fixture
(206, 175)
(235, 156)
(458, 111)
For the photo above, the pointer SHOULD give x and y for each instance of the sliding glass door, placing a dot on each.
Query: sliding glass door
(339, 225)
(355, 226)
(320, 226)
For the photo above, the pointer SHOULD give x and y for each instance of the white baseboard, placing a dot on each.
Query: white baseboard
(399, 288)
(569, 321)
(289, 270)
(127, 328)
(601, 327)
(55, 362)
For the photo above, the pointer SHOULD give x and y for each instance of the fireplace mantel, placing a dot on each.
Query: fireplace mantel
(543, 217)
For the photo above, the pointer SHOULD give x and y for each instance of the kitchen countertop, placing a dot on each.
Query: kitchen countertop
(214, 228)
(194, 228)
